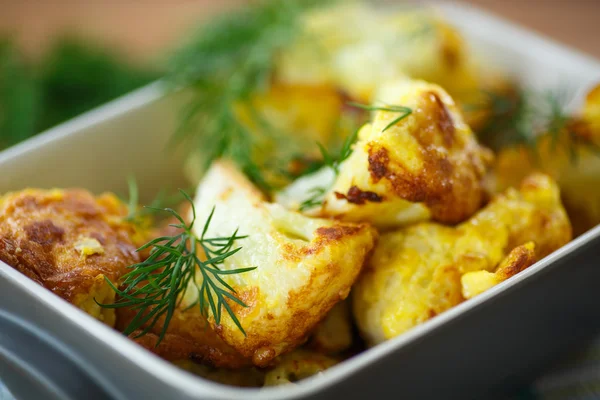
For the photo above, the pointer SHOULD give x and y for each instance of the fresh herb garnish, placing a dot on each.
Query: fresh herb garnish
(523, 118)
(403, 111)
(317, 196)
(140, 215)
(345, 152)
(231, 60)
(157, 285)
(132, 205)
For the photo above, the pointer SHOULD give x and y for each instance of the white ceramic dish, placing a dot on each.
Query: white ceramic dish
(49, 349)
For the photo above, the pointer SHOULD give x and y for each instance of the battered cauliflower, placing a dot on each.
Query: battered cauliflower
(297, 365)
(334, 334)
(188, 337)
(415, 273)
(477, 282)
(68, 241)
(570, 157)
(303, 266)
(428, 165)
(356, 47)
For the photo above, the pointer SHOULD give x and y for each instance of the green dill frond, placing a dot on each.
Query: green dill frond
(401, 110)
(317, 196)
(156, 286)
(229, 61)
(523, 118)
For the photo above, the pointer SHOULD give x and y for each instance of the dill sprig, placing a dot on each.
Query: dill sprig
(157, 285)
(138, 214)
(317, 194)
(401, 110)
(230, 60)
(334, 162)
(524, 118)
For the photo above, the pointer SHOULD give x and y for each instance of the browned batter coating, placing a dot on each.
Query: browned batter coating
(188, 337)
(68, 241)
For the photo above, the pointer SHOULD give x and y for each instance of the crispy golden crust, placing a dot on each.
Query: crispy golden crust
(303, 266)
(449, 181)
(297, 365)
(476, 282)
(569, 157)
(427, 165)
(188, 337)
(67, 241)
(420, 271)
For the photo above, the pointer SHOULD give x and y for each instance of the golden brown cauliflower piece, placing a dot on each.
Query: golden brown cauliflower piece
(415, 273)
(303, 266)
(68, 241)
(476, 282)
(356, 47)
(334, 334)
(189, 335)
(570, 157)
(297, 365)
(428, 165)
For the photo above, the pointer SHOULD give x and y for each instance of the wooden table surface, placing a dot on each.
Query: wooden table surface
(143, 28)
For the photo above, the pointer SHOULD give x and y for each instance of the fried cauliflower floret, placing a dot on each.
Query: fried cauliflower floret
(297, 365)
(334, 334)
(477, 282)
(303, 266)
(356, 47)
(569, 157)
(189, 336)
(427, 165)
(415, 273)
(68, 241)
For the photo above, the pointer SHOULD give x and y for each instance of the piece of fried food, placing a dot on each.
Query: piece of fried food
(415, 273)
(570, 156)
(427, 165)
(68, 241)
(297, 365)
(356, 47)
(304, 266)
(477, 282)
(188, 337)
(333, 335)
